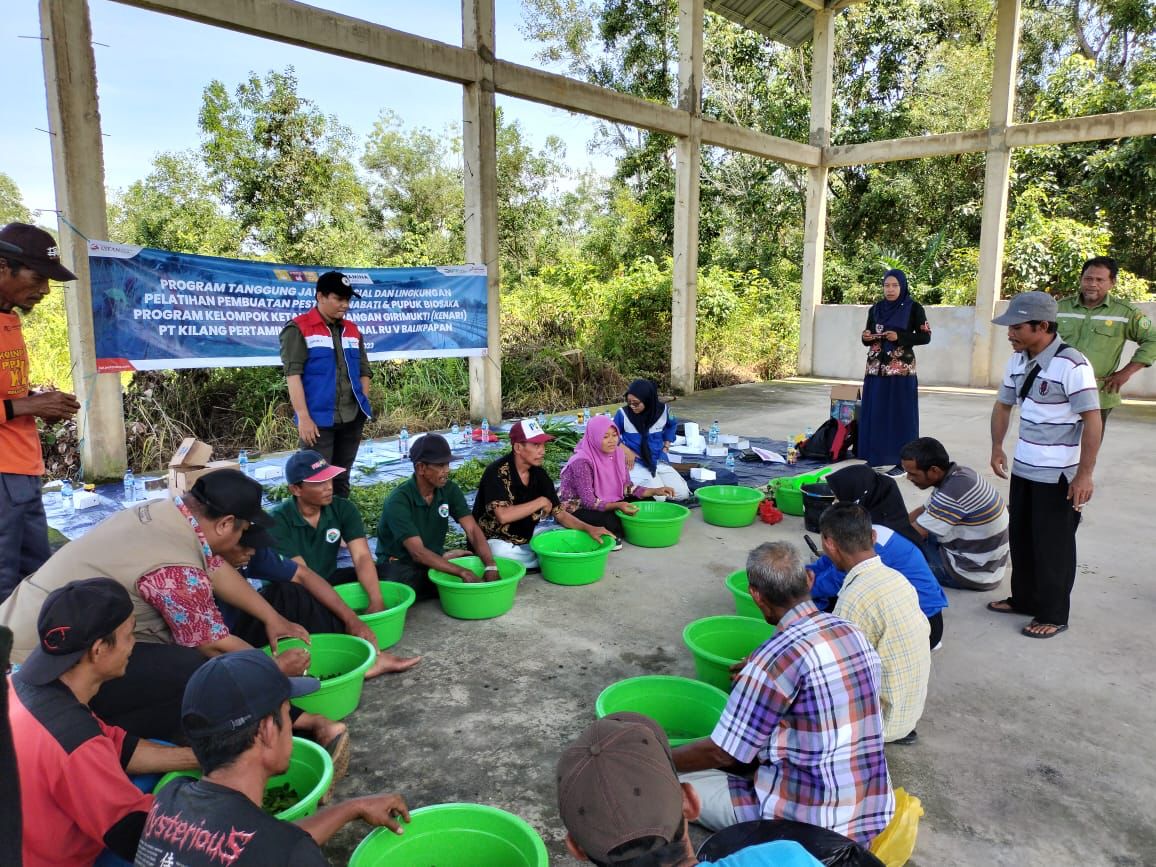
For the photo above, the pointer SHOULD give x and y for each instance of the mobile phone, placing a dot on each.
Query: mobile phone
(811, 544)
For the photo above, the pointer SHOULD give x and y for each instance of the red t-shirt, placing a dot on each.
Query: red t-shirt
(73, 786)
(19, 442)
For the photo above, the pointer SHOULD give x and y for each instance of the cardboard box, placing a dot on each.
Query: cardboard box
(183, 478)
(191, 453)
(846, 401)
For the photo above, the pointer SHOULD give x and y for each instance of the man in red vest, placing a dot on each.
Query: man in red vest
(327, 369)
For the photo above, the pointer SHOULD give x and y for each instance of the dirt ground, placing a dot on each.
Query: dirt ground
(1030, 752)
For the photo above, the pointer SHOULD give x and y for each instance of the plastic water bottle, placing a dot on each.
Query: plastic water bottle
(713, 438)
(485, 430)
(541, 418)
(587, 415)
(66, 497)
(730, 461)
(243, 461)
(403, 441)
(129, 486)
(808, 433)
(468, 434)
(455, 434)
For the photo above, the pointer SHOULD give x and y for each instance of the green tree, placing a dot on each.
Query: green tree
(12, 209)
(285, 171)
(175, 207)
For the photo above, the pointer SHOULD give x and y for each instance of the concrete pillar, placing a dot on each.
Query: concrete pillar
(995, 193)
(688, 161)
(815, 225)
(479, 145)
(78, 173)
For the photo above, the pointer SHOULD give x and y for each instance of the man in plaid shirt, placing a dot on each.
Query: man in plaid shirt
(803, 717)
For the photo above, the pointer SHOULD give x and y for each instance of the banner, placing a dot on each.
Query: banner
(155, 310)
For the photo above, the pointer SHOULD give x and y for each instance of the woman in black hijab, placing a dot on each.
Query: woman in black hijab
(876, 493)
(647, 428)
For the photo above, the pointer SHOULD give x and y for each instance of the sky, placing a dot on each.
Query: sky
(152, 68)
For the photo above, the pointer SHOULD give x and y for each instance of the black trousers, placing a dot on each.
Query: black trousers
(295, 604)
(935, 621)
(598, 518)
(339, 445)
(147, 700)
(1042, 534)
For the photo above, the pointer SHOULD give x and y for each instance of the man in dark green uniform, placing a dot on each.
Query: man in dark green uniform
(1099, 326)
(411, 535)
(310, 527)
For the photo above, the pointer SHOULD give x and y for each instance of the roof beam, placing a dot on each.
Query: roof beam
(759, 144)
(549, 88)
(1093, 127)
(344, 35)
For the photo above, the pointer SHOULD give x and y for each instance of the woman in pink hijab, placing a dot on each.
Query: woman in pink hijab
(595, 481)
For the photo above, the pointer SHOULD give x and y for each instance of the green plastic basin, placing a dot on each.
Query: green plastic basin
(483, 600)
(387, 625)
(686, 709)
(454, 835)
(717, 643)
(788, 491)
(571, 557)
(739, 588)
(657, 525)
(729, 505)
(341, 662)
(310, 774)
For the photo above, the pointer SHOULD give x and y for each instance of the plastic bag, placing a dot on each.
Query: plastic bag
(834, 850)
(894, 846)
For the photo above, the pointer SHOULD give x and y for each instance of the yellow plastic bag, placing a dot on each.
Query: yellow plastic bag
(894, 846)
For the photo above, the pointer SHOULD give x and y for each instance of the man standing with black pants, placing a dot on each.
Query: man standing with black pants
(1051, 475)
(327, 370)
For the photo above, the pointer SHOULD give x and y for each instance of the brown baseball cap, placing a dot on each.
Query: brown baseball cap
(37, 249)
(617, 784)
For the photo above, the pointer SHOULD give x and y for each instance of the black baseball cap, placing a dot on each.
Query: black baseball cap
(235, 690)
(231, 492)
(35, 248)
(72, 619)
(336, 283)
(431, 448)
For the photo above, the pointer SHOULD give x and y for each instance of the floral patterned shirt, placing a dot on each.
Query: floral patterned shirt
(184, 595)
(899, 359)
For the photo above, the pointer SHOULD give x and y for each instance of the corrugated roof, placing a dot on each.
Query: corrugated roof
(787, 21)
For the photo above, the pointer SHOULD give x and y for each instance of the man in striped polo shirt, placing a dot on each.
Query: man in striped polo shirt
(1051, 474)
(964, 521)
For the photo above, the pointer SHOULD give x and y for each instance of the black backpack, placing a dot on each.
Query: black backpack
(833, 441)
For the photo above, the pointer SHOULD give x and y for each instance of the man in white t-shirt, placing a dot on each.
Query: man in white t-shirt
(1051, 474)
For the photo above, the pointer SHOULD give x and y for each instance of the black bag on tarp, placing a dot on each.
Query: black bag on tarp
(833, 441)
(831, 848)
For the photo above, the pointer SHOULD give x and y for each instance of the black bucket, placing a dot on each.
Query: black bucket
(817, 496)
(831, 848)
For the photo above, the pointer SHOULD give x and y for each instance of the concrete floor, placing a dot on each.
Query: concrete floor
(1030, 752)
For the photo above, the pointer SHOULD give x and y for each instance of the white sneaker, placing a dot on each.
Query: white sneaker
(617, 545)
(938, 646)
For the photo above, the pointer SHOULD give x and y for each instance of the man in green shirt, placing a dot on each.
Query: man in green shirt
(310, 527)
(411, 536)
(1099, 326)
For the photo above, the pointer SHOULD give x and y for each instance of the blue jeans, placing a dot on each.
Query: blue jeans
(23, 532)
(934, 557)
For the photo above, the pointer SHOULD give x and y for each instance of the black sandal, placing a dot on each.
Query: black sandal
(991, 606)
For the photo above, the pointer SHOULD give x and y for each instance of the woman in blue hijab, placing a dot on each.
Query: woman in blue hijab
(889, 417)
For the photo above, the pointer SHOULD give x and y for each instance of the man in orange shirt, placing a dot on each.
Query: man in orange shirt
(24, 277)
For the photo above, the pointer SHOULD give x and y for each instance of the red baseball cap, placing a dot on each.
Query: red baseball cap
(528, 431)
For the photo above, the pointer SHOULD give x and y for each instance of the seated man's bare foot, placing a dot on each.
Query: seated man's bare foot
(322, 729)
(388, 663)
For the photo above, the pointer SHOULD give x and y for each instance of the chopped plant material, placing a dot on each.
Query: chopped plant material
(279, 798)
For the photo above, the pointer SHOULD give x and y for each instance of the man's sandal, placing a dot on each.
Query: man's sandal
(1056, 629)
(1004, 606)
